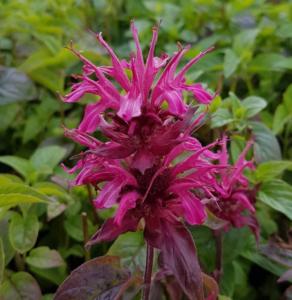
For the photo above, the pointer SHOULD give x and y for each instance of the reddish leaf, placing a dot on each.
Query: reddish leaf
(100, 278)
(179, 255)
(287, 276)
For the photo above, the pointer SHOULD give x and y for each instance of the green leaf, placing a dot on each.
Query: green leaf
(44, 258)
(54, 275)
(245, 40)
(231, 61)
(73, 227)
(21, 286)
(280, 118)
(130, 247)
(23, 232)
(287, 99)
(270, 62)
(266, 145)
(278, 195)
(2, 260)
(46, 158)
(264, 262)
(271, 169)
(7, 248)
(15, 86)
(221, 117)
(253, 105)
(285, 30)
(21, 165)
(8, 115)
(18, 193)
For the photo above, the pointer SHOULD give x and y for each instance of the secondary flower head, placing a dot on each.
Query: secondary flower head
(234, 197)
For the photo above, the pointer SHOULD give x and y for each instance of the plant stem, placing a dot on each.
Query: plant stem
(90, 196)
(85, 234)
(19, 261)
(219, 255)
(148, 273)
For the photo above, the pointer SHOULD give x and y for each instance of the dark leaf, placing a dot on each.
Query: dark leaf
(100, 278)
(179, 255)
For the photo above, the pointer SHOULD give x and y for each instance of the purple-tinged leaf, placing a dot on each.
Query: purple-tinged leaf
(100, 278)
(277, 253)
(179, 255)
(287, 276)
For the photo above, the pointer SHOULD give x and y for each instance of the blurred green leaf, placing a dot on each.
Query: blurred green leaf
(270, 62)
(2, 260)
(46, 158)
(266, 145)
(231, 61)
(271, 169)
(44, 258)
(278, 195)
(280, 118)
(221, 117)
(23, 232)
(13, 193)
(21, 165)
(20, 286)
(253, 105)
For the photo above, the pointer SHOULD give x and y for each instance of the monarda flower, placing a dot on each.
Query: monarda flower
(234, 197)
(133, 116)
(151, 169)
(161, 198)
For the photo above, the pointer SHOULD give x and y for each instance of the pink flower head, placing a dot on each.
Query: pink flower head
(234, 198)
(141, 93)
(162, 196)
(151, 168)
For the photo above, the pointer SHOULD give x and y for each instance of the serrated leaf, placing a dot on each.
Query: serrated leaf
(253, 105)
(44, 258)
(23, 232)
(20, 286)
(278, 195)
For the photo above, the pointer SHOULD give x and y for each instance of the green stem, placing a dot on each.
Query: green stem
(85, 234)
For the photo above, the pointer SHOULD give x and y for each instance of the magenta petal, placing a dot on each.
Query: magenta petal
(194, 210)
(143, 160)
(130, 107)
(109, 194)
(113, 150)
(127, 202)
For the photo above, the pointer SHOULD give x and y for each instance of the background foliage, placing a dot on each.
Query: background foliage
(41, 235)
